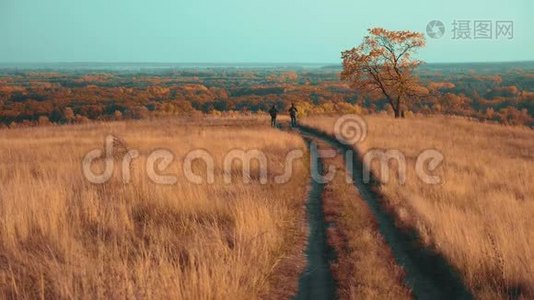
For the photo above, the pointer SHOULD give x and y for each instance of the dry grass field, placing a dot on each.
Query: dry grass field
(481, 217)
(64, 237)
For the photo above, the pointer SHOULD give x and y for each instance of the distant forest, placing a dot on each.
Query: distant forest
(30, 96)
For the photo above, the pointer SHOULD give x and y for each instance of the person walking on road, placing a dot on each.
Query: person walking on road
(293, 114)
(273, 112)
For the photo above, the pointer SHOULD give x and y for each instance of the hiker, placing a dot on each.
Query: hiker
(273, 111)
(293, 114)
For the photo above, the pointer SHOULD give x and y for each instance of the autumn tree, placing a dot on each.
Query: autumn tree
(382, 65)
(69, 114)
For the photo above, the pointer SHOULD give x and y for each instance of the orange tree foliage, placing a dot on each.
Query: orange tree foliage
(382, 65)
(496, 92)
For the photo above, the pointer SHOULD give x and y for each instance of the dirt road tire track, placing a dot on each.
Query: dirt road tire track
(428, 274)
(316, 282)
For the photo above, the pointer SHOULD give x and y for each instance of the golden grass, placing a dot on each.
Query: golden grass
(481, 218)
(364, 266)
(63, 237)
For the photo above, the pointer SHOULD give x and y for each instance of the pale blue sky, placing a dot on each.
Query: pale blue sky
(237, 31)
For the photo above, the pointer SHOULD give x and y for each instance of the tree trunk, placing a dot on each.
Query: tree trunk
(397, 108)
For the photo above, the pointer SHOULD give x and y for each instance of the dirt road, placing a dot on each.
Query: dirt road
(428, 274)
(316, 282)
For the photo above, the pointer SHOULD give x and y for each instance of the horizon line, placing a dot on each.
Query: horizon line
(243, 63)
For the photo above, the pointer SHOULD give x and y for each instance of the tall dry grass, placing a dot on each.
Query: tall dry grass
(63, 237)
(481, 217)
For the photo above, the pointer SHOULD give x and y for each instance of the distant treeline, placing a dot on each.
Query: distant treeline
(503, 94)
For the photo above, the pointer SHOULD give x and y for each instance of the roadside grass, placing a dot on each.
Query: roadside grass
(480, 218)
(64, 237)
